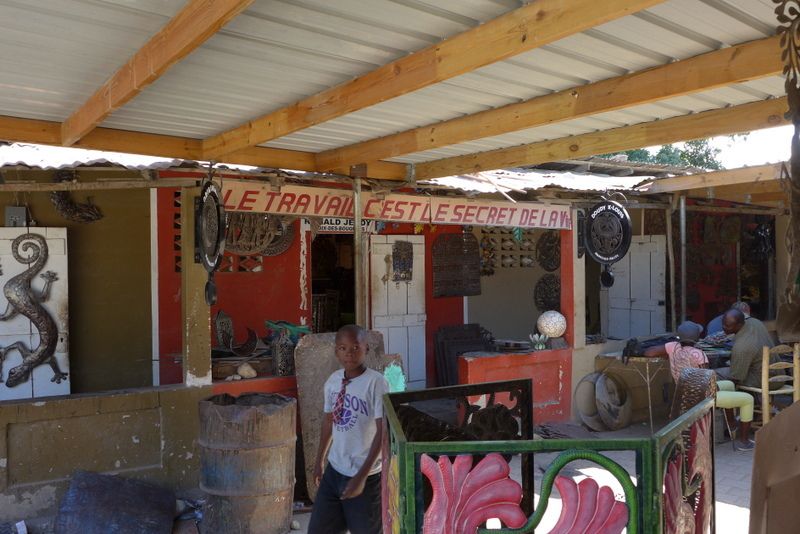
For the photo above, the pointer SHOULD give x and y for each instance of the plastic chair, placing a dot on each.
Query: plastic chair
(791, 383)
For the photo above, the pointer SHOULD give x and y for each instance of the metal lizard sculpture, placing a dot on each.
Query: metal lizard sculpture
(23, 300)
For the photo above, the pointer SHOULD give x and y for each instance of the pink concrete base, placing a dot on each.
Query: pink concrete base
(551, 371)
(285, 385)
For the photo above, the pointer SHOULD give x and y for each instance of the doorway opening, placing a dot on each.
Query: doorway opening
(332, 282)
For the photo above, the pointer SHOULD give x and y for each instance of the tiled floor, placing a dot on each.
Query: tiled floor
(732, 473)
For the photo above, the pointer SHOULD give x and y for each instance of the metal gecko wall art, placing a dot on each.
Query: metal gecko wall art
(23, 300)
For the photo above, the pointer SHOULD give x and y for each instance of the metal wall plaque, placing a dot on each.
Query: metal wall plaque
(402, 261)
(608, 232)
(548, 251)
(456, 266)
(547, 293)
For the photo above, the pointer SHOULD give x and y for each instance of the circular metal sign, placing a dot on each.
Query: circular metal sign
(210, 227)
(608, 232)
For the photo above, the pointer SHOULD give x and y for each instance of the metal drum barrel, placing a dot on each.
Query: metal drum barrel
(247, 454)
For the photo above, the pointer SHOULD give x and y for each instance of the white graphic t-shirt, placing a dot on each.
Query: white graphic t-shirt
(354, 432)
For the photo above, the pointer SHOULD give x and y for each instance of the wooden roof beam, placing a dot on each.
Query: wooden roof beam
(19, 130)
(191, 27)
(746, 117)
(768, 199)
(528, 27)
(727, 177)
(772, 186)
(736, 64)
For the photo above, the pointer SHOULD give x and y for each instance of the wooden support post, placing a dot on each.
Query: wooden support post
(195, 313)
(360, 257)
(766, 405)
(683, 256)
(796, 372)
(671, 256)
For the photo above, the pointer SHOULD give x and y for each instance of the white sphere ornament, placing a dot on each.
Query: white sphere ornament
(552, 324)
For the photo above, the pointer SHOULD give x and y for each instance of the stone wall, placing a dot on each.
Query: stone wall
(148, 434)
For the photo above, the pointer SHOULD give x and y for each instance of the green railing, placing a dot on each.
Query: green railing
(685, 445)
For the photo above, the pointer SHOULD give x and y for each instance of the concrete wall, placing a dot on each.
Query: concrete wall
(505, 306)
(109, 283)
(148, 434)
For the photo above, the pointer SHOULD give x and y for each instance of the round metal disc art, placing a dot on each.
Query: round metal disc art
(210, 226)
(210, 235)
(547, 293)
(548, 251)
(608, 232)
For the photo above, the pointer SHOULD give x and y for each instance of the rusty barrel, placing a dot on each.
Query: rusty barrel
(247, 453)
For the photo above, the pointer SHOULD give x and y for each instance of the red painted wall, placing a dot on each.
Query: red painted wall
(550, 370)
(249, 298)
(442, 311)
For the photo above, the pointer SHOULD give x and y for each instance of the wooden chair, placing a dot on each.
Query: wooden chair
(791, 383)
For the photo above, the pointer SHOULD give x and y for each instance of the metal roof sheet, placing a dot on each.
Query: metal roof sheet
(56, 157)
(507, 181)
(55, 54)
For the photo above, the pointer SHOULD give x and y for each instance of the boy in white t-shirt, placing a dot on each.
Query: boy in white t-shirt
(349, 494)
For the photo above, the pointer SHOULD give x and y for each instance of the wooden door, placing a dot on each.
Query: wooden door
(398, 307)
(636, 303)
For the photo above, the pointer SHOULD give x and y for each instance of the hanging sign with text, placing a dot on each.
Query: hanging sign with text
(302, 201)
(344, 225)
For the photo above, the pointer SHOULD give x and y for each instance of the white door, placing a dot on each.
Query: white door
(636, 303)
(398, 308)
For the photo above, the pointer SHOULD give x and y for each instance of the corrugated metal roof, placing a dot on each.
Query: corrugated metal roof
(507, 181)
(56, 157)
(55, 54)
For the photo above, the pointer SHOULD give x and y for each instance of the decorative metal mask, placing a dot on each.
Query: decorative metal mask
(607, 234)
(210, 234)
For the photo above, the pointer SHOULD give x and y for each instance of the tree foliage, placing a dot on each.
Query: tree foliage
(698, 153)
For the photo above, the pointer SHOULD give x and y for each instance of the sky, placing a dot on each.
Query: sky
(770, 145)
(761, 146)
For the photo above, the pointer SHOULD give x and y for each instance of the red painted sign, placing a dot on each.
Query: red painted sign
(319, 202)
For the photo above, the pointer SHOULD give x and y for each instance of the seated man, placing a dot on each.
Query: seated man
(683, 354)
(714, 327)
(750, 337)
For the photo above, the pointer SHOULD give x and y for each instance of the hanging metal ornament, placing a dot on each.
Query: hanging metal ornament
(607, 236)
(209, 234)
(548, 251)
(66, 206)
(547, 293)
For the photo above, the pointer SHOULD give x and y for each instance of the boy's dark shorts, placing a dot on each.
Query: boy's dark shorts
(333, 515)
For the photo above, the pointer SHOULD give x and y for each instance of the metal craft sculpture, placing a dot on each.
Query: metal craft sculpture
(588, 507)
(22, 300)
(402, 261)
(257, 233)
(210, 233)
(688, 482)
(673, 475)
(223, 324)
(607, 236)
(788, 14)
(547, 293)
(464, 498)
(548, 251)
(68, 208)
